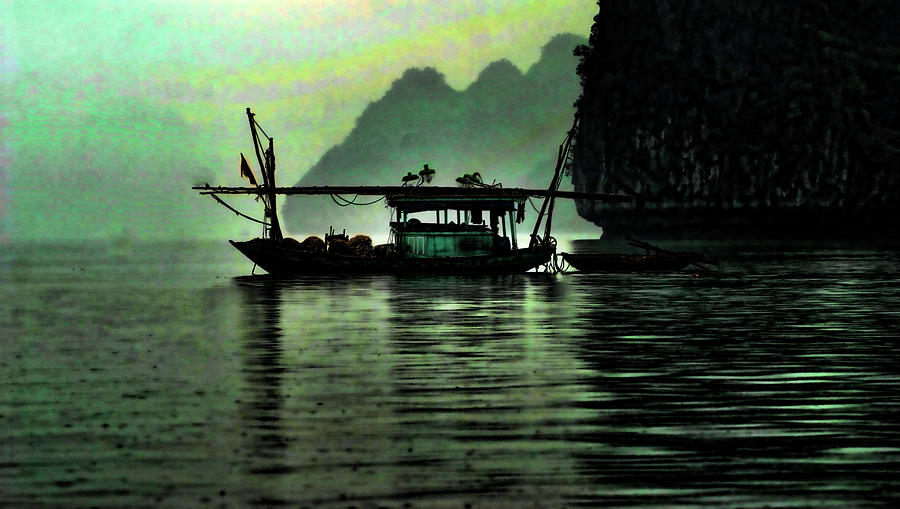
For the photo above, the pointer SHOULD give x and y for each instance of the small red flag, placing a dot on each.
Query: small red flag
(246, 171)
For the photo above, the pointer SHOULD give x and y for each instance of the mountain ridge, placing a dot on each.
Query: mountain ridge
(506, 125)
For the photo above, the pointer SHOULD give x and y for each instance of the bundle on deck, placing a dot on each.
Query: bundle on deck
(313, 244)
(383, 250)
(361, 245)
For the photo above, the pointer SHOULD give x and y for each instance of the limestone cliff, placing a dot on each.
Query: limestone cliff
(749, 105)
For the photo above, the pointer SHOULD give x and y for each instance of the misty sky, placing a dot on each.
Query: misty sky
(110, 110)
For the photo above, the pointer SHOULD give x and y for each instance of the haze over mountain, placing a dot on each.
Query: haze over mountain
(507, 125)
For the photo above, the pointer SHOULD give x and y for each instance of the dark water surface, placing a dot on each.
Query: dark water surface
(150, 376)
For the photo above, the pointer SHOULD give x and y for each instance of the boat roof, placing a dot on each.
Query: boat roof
(408, 194)
(415, 204)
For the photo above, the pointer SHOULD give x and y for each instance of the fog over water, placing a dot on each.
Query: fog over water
(164, 375)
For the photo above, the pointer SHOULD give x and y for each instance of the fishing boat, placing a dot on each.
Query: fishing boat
(470, 228)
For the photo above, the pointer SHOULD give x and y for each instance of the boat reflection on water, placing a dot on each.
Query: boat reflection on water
(433, 389)
(261, 404)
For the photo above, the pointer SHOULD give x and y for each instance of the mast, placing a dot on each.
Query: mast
(275, 228)
(267, 168)
(562, 162)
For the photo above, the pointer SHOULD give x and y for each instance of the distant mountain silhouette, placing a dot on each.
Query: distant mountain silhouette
(506, 125)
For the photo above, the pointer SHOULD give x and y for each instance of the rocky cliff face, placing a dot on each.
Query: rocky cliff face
(747, 105)
(506, 125)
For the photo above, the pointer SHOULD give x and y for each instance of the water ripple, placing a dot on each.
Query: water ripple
(769, 384)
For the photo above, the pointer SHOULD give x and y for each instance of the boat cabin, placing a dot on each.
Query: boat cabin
(437, 227)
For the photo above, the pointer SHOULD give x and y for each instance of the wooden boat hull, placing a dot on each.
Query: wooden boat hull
(281, 258)
(625, 262)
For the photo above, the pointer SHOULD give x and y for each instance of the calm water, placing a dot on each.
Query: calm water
(152, 376)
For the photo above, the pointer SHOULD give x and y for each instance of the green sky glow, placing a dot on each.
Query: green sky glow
(111, 110)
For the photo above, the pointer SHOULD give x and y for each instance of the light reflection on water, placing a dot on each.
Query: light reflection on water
(771, 383)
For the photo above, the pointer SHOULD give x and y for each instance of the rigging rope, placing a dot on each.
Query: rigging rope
(556, 263)
(347, 203)
(229, 207)
(260, 128)
(559, 263)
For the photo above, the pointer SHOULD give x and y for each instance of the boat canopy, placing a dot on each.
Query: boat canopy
(396, 193)
(411, 205)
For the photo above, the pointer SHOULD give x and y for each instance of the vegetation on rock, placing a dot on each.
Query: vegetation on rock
(698, 104)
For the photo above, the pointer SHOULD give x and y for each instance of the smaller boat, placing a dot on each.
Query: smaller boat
(654, 259)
